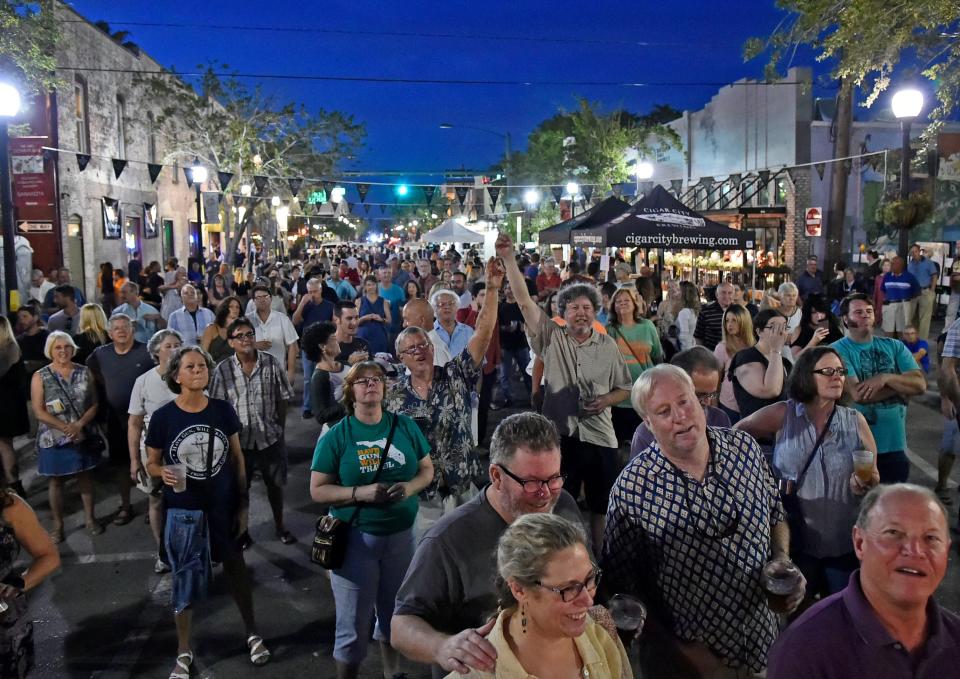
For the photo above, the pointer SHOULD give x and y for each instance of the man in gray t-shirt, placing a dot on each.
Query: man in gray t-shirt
(449, 591)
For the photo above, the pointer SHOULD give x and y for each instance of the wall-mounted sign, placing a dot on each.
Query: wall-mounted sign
(25, 226)
(814, 220)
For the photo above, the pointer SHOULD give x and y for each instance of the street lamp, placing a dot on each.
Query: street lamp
(531, 197)
(198, 175)
(906, 104)
(9, 107)
(644, 170)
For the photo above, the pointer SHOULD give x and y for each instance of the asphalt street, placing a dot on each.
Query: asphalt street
(106, 614)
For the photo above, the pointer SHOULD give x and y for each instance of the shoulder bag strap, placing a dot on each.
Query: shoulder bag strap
(816, 446)
(627, 342)
(383, 458)
(64, 392)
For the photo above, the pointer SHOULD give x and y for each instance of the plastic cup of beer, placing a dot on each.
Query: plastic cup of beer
(180, 471)
(628, 614)
(863, 465)
(780, 579)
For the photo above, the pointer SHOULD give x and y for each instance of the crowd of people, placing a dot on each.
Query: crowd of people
(686, 449)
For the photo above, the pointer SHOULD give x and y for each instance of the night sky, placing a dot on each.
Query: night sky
(559, 40)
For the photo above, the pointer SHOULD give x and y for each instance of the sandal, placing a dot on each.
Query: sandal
(286, 537)
(257, 658)
(123, 517)
(57, 536)
(184, 663)
(95, 528)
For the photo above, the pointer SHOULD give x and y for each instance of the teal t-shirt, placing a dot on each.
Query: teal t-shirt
(888, 418)
(396, 296)
(640, 347)
(351, 451)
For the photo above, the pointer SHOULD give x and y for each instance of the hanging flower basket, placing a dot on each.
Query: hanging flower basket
(906, 213)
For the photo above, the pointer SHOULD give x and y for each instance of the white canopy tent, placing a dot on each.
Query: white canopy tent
(452, 231)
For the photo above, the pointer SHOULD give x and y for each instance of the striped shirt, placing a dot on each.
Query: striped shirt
(899, 288)
(709, 325)
(256, 398)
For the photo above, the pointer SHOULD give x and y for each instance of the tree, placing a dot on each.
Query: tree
(231, 127)
(28, 38)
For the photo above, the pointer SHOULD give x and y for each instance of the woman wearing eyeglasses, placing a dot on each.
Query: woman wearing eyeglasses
(346, 474)
(815, 439)
(546, 586)
(759, 373)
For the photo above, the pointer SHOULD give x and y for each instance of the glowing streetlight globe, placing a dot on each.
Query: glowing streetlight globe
(907, 103)
(198, 172)
(9, 100)
(531, 197)
(573, 189)
(644, 170)
(275, 201)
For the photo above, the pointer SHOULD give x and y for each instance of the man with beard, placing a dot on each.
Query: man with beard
(448, 594)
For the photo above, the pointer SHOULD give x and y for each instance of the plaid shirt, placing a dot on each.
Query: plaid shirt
(695, 550)
(256, 398)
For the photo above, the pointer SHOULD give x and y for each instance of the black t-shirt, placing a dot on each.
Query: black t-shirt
(747, 402)
(31, 346)
(183, 438)
(358, 344)
(510, 321)
(151, 291)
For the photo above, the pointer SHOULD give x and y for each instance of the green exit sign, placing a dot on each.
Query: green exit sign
(317, 197)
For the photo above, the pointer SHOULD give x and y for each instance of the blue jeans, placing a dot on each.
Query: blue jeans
(186, 538)
(367, 583)
(951, 436)
(308, 368)
(507, 357)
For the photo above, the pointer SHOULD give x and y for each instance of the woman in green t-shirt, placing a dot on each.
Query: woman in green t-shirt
(380, 544)
(639, 344)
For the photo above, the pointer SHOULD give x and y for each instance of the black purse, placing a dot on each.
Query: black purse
(330, 540)
(93, 443)
(790, 499)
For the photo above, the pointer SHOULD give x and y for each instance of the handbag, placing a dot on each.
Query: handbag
(330, 540)
(790, 499)
(93, 442)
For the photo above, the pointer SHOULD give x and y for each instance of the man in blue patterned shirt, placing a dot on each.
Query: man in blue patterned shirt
(692, 521)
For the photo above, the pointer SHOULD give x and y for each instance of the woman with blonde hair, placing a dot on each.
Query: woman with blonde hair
(13, 416)
(737, 336)
(92, 331)
(546, 627)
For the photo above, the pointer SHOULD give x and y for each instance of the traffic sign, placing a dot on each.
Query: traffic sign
(814, 221)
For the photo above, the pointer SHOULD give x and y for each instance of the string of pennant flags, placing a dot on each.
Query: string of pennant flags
(461, 190)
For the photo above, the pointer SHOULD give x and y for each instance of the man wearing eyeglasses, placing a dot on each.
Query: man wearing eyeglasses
(448, 594)
(886, 623)
(704, 369)
(882, 375)
(692, 522)
(255, 383)
(275, 332)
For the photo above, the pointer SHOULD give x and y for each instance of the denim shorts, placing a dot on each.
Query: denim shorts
(187, 541)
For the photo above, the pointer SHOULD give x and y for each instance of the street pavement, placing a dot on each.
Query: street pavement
(106, 614)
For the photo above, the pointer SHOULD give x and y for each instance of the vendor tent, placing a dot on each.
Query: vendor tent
(602, 212)
(659, 220)
(451, 231)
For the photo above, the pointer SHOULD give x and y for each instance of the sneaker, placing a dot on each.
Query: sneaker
(307, 415)
(160, 567)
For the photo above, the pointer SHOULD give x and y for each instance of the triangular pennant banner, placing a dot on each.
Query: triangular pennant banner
(383, 208)
(764, 176)
(587, 191)
(118, 166)
(82, 160)
(507, 206)
(224, 178)
(676, 185)
(316, 208)
(366, 208)
(734, 181)
(820, 167)
(706, 182)
(557, 192)
(362, 190)
(617, 189)
(494, 192)
(189, 175)
(645, 187)
(295, 183)
(327, 186)
(348, 207)
(154, 171)
(461, 192)
(428, 192)
(793, 173)
(260, 182)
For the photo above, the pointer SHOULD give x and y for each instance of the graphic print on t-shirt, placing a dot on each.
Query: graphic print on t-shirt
(368, 453)
(190, 448)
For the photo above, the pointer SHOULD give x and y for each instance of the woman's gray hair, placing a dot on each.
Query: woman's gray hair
(648, 380)
(174, 366)
(527, 545)
(871, 499)
(153, 344)
(572, 292)
(406, 332)
(529, 429)
(443, 292)
(787, 286)
(52, 339)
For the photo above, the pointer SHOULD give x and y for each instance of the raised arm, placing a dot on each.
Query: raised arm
(764, 423)
(487, 320)
(528, 307)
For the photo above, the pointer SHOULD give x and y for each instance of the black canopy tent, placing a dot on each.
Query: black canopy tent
(658, 220)
(601, 213)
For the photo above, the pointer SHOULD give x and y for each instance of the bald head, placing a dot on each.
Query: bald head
(417, 313)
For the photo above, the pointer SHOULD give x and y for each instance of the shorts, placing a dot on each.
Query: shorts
(595, 467)
(65, 460)
(898, 315)
(151, 485)
(271, 462)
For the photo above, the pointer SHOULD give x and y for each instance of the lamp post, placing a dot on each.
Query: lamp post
(906, 105)
(573, 189)
(198, 175)
(9, 107)
(503, 135)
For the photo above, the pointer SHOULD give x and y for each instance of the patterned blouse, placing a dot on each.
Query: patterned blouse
(694, 550)
(445, 418)
(57, 396)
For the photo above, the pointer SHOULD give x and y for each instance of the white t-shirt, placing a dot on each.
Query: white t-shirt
(279, 330)
(150, 391)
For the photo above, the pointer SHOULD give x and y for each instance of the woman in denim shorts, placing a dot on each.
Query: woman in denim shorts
(205, 496)
(380, 544)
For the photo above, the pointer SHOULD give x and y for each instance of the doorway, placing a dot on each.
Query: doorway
(74, 258)
(132, 235)
(166, 228)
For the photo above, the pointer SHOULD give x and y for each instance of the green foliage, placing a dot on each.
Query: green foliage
(906, 213)
(866, 39)
(602, 139)
(28, 39)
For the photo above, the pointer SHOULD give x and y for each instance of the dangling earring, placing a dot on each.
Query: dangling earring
(523, 618)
